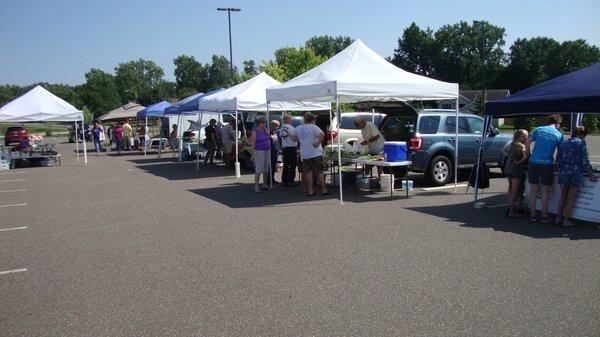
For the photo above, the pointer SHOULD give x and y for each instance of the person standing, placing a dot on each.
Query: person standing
(572, 163)
(275, 148)
(127, 135)
(261, 146)
(228, 137)
(119, 137)
(97, 132)
(541, 164)
(288, 152)
(516, 157)
(310, 138)
(210, 132)
(372, 138)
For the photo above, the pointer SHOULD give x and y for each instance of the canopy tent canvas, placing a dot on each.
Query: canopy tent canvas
(154, 110)
(189, 105)
(128, 110)
(358, 74)
(250, 95)
(576, 92)
(40, 105)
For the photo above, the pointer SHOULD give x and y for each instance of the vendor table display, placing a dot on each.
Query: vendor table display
(353, 157)
(585, 206)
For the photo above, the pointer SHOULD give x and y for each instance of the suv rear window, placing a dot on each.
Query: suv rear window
(348, 121)
(428, 125)
(398, 128)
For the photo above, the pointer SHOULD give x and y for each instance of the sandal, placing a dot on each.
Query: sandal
(257, 190)
(311, 194)
(545, 219)
(533, 218)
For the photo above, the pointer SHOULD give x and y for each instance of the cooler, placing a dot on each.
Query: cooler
(394, 151)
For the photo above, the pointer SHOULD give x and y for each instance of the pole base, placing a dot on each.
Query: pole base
(238, 173)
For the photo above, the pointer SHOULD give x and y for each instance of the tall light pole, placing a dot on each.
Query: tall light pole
(229, 10)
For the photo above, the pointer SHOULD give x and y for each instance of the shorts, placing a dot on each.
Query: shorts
(314, 164)
(262, 161)
(540, 173)
(570, 179)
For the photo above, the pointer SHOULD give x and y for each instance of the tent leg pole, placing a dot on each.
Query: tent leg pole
(238, 173)
(456, 151)
(85, 160)
(337, 111)
(145, 135)
(76, 140)
(268, 125)
(198, 151)
(331, 136)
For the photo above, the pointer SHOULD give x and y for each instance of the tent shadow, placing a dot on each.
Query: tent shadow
(495, 218)
(183, 170)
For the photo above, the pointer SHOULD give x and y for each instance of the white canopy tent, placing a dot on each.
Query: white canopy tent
(359, 74)
(128, 110)
(40, 105)
(251, 96)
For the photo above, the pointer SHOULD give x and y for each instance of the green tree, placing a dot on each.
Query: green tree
(326, 46)
(164, 91)
(139, 78)
(190, 73)
(10, 92)
(219, 73)
(471, 55)
(273, 69)
(250, 68)
(295, 61)
(99, 92)
(415, 52)
(572, 56)
(529, 62)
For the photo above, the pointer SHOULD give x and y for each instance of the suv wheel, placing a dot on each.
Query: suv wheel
(440, 171)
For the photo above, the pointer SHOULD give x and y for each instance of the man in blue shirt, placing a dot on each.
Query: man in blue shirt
(541, 164)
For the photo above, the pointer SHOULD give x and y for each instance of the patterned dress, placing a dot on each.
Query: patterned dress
(572, 162)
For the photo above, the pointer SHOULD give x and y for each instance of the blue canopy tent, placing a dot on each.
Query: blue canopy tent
(576, 93)
(154, 110)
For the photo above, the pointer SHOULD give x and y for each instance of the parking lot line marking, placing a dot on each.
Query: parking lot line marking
(12, 229)
(13, 271)
(19, 172)
(12, 180)
(11, 191)
(442, 187)
(14, 205)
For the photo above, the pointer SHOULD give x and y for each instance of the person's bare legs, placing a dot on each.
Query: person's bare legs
(560, 208)
(571, 196)
(267, 180)
(322, 182)
(510, 189)
(256, 180)
(545, 198)
(533, 200)
(308, 180)
(513, 188)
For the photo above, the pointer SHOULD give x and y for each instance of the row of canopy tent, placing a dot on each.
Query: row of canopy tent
(40, 105)
(577, 92)
(358, 74)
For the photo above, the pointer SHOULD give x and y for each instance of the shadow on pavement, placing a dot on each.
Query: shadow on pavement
(495, 218)
(184, 170)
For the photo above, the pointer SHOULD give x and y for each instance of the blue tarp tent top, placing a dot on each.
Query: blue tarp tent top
(574, 92)
(155, 110)
(188, 105)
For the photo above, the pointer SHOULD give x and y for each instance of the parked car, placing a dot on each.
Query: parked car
(431, 138)
(348, 132)
(15, 134)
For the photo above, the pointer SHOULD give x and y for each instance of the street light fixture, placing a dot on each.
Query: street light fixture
(229, 10)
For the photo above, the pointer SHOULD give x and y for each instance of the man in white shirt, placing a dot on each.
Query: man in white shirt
(372, 138)
(288, 152)
(310, 138)
(228, 139)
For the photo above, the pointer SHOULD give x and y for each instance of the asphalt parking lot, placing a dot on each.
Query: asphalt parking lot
(141, 246)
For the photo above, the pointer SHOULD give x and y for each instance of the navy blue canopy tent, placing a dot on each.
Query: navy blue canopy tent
(188, 105)
(576, 93)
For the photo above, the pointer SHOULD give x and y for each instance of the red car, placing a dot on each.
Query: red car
(15, 134)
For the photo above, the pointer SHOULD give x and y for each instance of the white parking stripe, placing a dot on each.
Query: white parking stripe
(12, 229)
(10, 181)
(443, 187)
(11, 191)
(14, 205)
(18, 172)
(13, 271)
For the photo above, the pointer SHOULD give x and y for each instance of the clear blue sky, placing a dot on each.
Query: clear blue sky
(58, 41)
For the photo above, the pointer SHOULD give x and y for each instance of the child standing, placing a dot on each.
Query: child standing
(516, 158)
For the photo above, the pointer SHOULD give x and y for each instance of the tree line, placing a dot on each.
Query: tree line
(471, 54)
